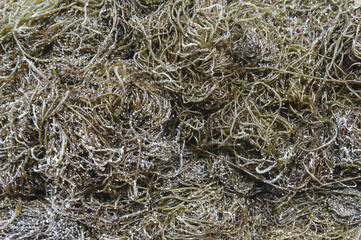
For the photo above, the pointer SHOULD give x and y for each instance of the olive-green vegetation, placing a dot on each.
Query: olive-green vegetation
(180, 119)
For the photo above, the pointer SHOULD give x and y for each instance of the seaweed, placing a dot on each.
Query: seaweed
(180, 119)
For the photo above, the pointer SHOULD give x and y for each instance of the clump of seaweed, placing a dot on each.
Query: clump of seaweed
(169, 119)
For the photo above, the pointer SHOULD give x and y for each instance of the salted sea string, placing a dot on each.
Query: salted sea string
(180, 119)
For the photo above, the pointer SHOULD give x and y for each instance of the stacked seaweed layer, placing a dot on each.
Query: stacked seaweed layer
(180, 119)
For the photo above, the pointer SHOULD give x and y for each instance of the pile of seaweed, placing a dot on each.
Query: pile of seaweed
(180, 119)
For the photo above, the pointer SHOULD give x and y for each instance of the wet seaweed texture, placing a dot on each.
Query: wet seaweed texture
(180, 119)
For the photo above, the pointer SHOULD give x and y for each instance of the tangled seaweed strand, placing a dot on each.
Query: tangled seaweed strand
(180, 119)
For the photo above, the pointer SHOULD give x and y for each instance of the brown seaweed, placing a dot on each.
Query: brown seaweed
(180, 119)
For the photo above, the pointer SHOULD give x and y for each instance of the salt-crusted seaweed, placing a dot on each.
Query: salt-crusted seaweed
(180, 119)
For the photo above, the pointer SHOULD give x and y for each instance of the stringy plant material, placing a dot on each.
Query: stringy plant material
(165, 119)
